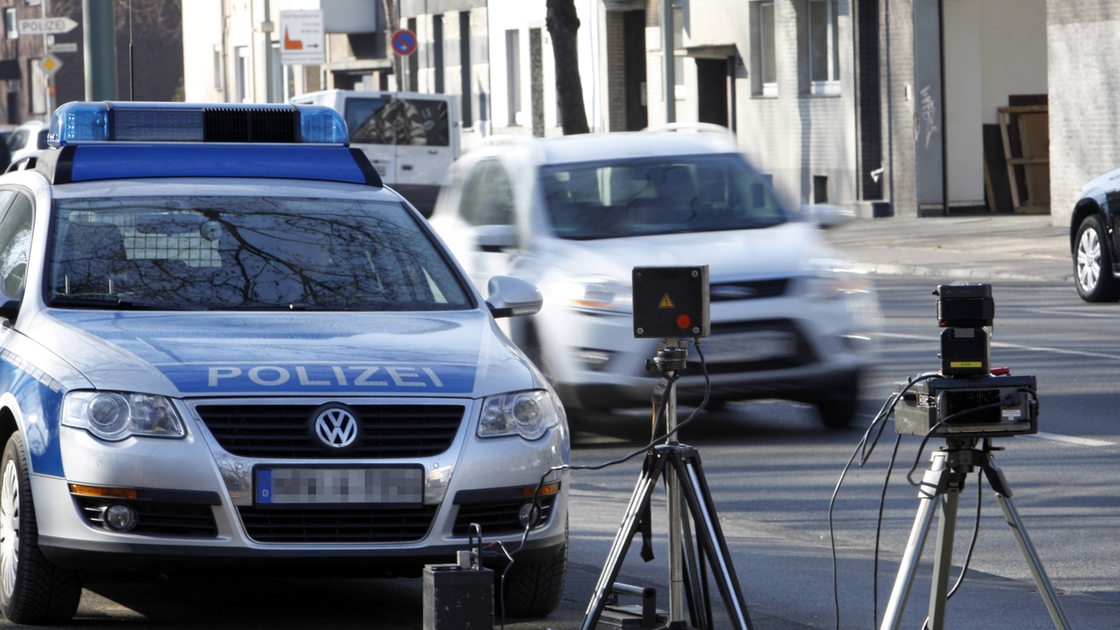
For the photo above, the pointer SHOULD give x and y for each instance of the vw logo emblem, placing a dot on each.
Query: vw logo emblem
(335, 426)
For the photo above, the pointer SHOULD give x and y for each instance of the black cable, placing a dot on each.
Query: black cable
(975, 535)
(867, 446)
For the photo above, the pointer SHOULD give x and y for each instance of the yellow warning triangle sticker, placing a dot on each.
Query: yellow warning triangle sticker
(666, 302)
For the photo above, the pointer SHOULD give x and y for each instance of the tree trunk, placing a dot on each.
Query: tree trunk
(562, 25)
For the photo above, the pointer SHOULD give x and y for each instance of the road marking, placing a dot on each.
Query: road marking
(1069, 439)
(1015, 346)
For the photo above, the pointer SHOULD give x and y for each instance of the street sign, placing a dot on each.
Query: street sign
(46, 26)
(404, 42)
(64, 47)
(301, 38)
(50, 64)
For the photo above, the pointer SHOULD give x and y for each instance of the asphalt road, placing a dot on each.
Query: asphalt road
(772, 471)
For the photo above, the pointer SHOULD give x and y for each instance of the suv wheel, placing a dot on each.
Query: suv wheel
(1092, 264)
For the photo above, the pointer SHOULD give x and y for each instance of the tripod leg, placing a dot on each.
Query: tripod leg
(1041, 581)
(932, 484)
(639, 501)
(699, 499)
(946, 529)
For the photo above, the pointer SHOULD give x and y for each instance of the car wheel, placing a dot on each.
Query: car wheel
(1092, 264)
(837, 407)
(32, 589)
(532, 589)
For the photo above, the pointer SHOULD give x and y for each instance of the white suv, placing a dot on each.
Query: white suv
(574, 215)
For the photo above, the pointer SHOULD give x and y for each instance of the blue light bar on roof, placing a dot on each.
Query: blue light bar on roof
(111, 121)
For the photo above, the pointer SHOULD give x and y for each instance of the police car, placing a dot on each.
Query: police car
(224, 341)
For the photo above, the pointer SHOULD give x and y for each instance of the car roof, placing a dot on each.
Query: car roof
(593, 147)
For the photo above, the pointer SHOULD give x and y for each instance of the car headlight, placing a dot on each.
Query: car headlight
(835, 279)
(117, 415)
(601, 294)
(529, 414)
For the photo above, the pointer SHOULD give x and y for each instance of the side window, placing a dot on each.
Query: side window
(764, 65)
(15, 244)
(487, 195)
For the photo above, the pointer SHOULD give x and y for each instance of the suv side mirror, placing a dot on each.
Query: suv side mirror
(510, 297)
(495, 238)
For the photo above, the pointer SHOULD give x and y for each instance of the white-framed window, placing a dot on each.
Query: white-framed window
(513, 77)
(765, 64)
(824, 50)
(219, 69)
(11, 30)
(241, 74)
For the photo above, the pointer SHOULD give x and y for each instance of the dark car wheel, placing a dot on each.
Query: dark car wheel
(32, 589)
(532, 588)
(1092, 264)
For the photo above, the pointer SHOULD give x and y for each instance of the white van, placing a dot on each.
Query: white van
(410, 137)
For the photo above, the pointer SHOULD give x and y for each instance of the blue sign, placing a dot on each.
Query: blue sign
(404, 42)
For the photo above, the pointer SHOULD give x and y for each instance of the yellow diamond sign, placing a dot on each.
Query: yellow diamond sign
(50, 64)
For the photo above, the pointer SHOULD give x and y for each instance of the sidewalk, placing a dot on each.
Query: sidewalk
(979, 248)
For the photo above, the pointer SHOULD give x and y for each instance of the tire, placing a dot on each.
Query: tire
(837, 408)
(1092, 263)
(32, 589)
(532, 589)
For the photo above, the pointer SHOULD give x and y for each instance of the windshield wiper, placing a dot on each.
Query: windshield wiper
(108, 302)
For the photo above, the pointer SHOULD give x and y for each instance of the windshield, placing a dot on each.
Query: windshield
(662, 195)
(203, 253)
(392, 120)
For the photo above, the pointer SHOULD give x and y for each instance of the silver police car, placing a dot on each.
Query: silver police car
(224, 342)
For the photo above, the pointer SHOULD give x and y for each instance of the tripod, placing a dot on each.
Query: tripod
(942, 484)
(679, 464)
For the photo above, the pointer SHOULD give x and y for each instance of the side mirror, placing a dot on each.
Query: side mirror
(495, 238)
(826, 216)
(511, 297)
(9, 309)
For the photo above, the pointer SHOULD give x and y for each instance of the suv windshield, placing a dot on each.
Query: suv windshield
(662, 195)
(203, 253)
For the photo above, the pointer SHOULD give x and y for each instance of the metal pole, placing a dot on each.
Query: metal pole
(266, 31)
(100, 34)
(673, 498)
(667, 60)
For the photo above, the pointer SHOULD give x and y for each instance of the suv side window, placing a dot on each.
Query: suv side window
(487, 195)
(15, 244)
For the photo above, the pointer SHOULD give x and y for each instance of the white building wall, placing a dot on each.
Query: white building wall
(233, 28)
(795, 136)
(520, 16)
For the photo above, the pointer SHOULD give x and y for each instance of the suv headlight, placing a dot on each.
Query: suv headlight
(599, 294)
(833, 279)
(529, 414)
(115, 416)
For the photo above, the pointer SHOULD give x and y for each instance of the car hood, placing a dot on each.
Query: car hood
(303, 353)
(1101, 184)
(780, 251)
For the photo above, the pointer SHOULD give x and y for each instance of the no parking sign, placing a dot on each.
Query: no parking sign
(404, 42)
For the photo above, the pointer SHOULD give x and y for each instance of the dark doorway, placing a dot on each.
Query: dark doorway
(634, 61)
(711, 76)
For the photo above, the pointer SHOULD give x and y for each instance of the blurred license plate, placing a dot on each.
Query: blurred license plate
(750, 346)
(339, 485)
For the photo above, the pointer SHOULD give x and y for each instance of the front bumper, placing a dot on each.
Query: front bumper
(197, 503)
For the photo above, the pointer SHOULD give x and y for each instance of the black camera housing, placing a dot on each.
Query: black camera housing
(988, 406)
(965, 311)
(671, 302)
